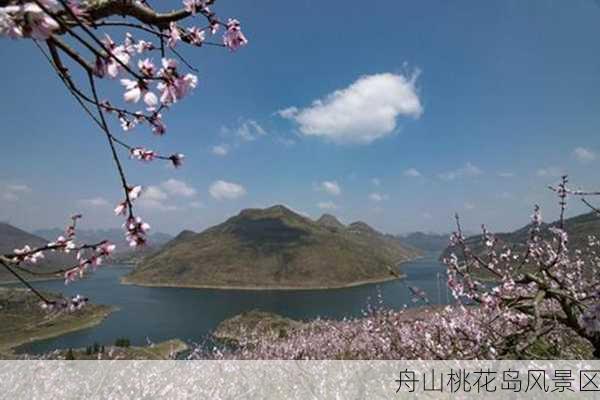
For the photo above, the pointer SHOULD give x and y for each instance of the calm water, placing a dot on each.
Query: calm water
(191, 314)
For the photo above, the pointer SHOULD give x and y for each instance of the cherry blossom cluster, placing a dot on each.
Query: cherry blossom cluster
(86, 255)
(29, 20)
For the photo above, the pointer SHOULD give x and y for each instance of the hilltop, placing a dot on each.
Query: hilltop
(274, 248)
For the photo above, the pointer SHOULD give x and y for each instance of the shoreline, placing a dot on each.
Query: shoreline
(125, 281)
(101, 314)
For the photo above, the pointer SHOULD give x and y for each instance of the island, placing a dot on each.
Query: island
(275, 248)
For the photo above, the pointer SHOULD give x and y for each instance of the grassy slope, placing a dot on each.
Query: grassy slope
(272, 248)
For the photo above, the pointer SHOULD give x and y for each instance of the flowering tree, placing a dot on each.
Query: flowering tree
(542, 292)
(73, 36)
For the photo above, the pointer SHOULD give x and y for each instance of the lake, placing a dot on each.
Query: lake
(191, 314)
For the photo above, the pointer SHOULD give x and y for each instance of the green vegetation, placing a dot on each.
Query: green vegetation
(255, 324)
(122, 342)
(22, 320)
(274, 248)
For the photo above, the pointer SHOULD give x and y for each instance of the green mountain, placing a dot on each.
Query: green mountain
(12, 238)
(273, 248)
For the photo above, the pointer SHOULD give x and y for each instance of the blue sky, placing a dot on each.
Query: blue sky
(427, 108)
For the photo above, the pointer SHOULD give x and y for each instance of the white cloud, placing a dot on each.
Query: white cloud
(506, 195)
(222, 190)
(584, 155)
(469, 206)
(551, 171)
(378, 197)
(12, 191)
(155, 205)
(506, 174)
(469, 170)
(250, 130)
(95, 202)
(154, 196)
(330, 187)
(327, 205)
(288, 113)
(366, 110)
(427, 215)
(175, 187)
(220, 150)
(376, 181)
(154, 193)
(412, 172)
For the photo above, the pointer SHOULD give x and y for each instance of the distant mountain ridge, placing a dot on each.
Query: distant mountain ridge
(428, 242)
(274, 248)
(578, 228)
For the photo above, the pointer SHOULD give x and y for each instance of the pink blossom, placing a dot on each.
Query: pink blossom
(71, 275)
(158, 126)
(105, 248)
(26, 254)
(136, 231)
(134, 192)
(147, 67)
(143, 46)
(192, 6)
(196, 36)
(40, 24)
(8, 26)
(135, 90)
(174, 35)
(214, 26)
(63, 244)
(142, 154)
(77, 9)
(174, 87)
(127, 124)
(121, 208)
(233, 37)
(119, 55)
